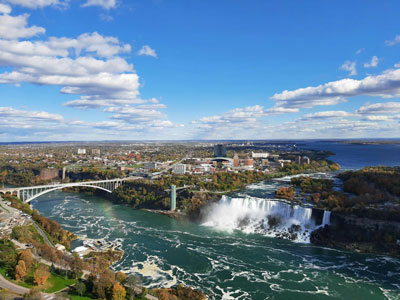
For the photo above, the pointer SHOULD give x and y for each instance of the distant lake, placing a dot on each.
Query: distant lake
(357, 156)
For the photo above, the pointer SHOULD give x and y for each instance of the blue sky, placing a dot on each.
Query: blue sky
(169, 69)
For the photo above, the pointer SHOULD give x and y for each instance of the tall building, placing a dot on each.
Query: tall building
(248, 162)
(81, 151)
(179, 169)
(219, 150)
(95, 151)
(236, 160)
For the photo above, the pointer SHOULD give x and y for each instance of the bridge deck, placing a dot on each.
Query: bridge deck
(49, 186)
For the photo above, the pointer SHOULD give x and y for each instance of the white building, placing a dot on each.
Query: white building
(259, 155)
(95, 151)
(152, 165)
(81, 151)
(179, 169)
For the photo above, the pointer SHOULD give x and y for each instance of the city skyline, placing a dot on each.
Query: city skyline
(168, 70)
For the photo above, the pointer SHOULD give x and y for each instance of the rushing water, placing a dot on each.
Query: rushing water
(235, 254)
(225, 264)
(267, 217)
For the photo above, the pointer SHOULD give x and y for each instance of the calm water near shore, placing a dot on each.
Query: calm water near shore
(357, 156)
(226, 263)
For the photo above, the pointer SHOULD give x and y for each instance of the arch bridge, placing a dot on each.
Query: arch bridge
(27, 194)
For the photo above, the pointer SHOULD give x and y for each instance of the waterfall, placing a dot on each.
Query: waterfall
(269, 217)
(326, 219)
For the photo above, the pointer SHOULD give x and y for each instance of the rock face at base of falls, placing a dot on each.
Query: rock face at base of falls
(359, 234)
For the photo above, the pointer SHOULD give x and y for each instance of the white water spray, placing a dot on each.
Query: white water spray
(269, 217)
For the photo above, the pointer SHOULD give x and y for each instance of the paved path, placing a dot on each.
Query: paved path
(42, 233)
(5, 284)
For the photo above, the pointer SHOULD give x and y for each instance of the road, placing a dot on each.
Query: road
(5, 284)
(42, 233)
(12, 287)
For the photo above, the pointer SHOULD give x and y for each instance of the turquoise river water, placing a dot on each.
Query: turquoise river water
(225, 257)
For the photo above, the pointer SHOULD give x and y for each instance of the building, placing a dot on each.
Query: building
(60, 247)
(264, 162)
(95, 151)
(248, 162)
(81, 151)
(179, 169)
(259, 155)
(305, 160)
(47, 174)
(236, 161)
(152, 165)
(219, 150)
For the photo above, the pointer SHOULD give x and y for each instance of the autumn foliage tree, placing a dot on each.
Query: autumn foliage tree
(287, 193)
(118, 292)
(41, 275)
(27, 258)
(20, 270)
(104, 284)
(120, 276)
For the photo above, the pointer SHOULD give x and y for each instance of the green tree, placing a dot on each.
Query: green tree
(80, 288)
(33, 294)
(133, 282)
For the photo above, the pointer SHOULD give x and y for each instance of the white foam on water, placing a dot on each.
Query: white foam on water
(150, 269)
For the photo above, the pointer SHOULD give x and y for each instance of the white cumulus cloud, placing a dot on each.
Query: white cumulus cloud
(36, 3)
(380, 108)
(373, 63)
(15, 27)
(5, 9)
(385, 85)
(106, 4)
(393, 42)
(147, 51)
(349, 66)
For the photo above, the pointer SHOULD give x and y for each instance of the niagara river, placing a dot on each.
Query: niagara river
(233, 253)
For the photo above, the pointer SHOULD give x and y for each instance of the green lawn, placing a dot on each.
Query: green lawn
(3, 272)
(74, 295)
(57, 282)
